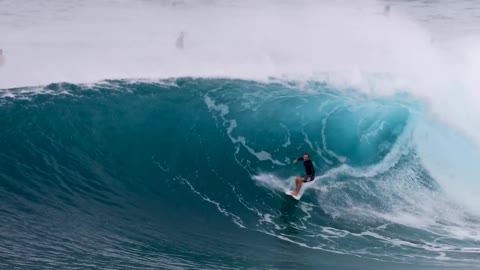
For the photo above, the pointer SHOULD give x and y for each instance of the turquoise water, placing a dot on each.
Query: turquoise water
(191, 173)
(121, 149)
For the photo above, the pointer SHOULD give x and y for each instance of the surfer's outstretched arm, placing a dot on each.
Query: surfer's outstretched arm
(298, 159)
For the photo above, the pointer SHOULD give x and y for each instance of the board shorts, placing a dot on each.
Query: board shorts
(312, 177)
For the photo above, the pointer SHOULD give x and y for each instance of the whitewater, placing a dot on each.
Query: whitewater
(161, 134)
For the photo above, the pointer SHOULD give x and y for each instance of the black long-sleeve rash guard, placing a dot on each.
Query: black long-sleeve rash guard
(308, 164)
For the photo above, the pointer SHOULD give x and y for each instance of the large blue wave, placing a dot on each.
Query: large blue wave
(191, 173)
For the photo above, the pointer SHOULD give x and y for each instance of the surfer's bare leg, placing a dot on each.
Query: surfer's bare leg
(298, 183)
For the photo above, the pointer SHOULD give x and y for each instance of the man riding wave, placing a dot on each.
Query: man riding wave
(309, 173)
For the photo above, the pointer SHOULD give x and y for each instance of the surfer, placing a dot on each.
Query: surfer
(309, 173)
(386, 10)
(179, 42)
(2, 59)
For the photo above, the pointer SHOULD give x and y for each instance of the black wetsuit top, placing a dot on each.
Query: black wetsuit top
(309, 170)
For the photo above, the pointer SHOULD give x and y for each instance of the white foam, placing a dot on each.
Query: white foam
(451, 158)
(324, 140)
(375, 128)
(231, 125)
(276, 183)
(287, 142)
(236, 219)
(272, 182)
(130, 39)
(316, 148)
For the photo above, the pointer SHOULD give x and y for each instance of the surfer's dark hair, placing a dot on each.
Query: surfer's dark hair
(307, 154)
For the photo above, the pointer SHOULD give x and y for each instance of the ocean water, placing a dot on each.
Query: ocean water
(122, 150)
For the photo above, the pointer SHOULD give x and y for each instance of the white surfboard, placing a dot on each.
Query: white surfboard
(305, 186)
(296, 197)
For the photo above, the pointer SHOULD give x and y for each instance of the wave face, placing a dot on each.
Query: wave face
(191, 173)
